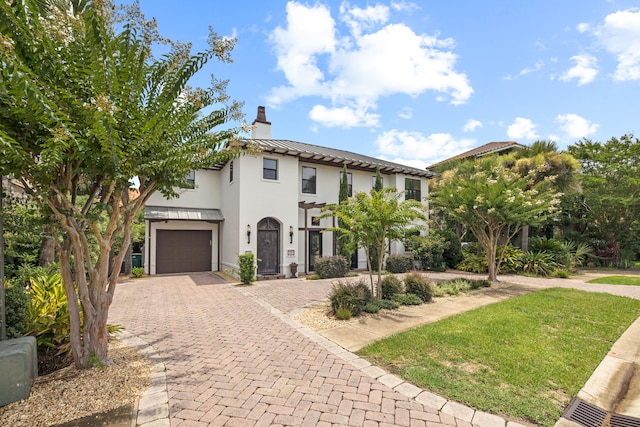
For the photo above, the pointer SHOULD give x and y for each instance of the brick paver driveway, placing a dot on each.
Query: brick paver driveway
(234, 357)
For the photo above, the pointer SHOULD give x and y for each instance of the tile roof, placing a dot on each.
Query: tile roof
(333, 157)
(489, 148)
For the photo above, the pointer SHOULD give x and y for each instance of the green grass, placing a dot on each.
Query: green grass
(617, 280)
(525, 357)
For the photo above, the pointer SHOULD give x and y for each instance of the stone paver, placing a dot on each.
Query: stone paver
(233, 355)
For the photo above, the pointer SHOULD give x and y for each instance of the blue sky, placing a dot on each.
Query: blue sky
(417, 82)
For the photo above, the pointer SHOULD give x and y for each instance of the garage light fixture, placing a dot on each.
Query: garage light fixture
(291, 234)
(248, 233)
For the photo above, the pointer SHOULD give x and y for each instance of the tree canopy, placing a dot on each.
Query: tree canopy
(494, 201)
(85, 108)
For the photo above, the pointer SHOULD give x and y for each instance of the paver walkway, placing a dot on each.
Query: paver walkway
(233, 355)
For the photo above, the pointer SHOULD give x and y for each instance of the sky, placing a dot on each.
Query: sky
(419, 82)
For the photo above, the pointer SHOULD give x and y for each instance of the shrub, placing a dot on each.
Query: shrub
(538, 263)
(331, 266)
(137, 272)
(376, 304)
(407, 299)
(247, 268)
(453, 252)
(474, 260)
(350, 296)
(416, 284)
(399, 263)
(391, 285)
(429, 251)
(343, 314)
(561, 274)
(16, 302)
(48, 313)
(511, 260)
(372, 306)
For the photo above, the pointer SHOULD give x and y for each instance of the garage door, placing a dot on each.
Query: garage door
(181, 251)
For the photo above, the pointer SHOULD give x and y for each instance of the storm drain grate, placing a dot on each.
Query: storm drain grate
(589, 415)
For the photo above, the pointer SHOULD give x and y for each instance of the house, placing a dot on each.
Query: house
(496, 147)
(266, 202)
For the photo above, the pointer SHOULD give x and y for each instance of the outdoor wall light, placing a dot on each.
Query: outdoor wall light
(248, 233)
(291, 234)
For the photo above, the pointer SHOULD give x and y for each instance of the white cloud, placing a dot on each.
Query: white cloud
(404, 6)
(406, 113)
(420, 149)
(620, 35)
(585, 70)
(472, 125)
(583, 27)
(346, 117)
(375, 59)
(538, 65)
(522, 129)
(575, 126)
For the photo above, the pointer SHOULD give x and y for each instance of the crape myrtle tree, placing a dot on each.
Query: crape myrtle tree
(494, 201)
(84, 108)
(371, 220)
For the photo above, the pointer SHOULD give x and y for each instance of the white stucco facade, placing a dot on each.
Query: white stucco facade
(256, 203)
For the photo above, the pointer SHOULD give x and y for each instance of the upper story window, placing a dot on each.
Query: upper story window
(412, 189)
(269, 169)
(349, 182)
(231, 171)
(308, 180)
(191, 180)
(373, 181)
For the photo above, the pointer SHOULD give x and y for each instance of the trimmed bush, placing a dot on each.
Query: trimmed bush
(452, 255)
(17, 302)
(137, 272)
(429, 251)
(331, 266)
(351, 296)
(391, 286)
(247, 268)
(399, 263)
(415, 283)
(407, 299)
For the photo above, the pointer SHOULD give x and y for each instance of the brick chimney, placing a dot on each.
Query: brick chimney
(261, 127)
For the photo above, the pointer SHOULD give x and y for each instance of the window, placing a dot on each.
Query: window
(349, 182)
(231, 171)
(373, 181)
(315, 221)
(269, 169)
(191, 180)
(412, 189)
(308, 180)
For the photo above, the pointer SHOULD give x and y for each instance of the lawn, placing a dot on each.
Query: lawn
(525, 357)
(617, 280)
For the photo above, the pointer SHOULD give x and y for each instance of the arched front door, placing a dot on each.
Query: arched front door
(268, 246)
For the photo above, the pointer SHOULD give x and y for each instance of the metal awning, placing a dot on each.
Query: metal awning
(164, 213)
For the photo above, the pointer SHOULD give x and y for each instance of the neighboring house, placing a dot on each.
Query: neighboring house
(267, 203)
(504, 147)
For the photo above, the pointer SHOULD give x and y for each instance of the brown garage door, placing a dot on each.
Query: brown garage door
(181, 251)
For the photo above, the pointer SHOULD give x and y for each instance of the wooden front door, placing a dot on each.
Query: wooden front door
(315, 248)
(268, 246)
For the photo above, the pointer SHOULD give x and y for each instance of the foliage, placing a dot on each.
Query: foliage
(415, 283)
(377, 304)
(247, 266)
(494, 202)
(84, 107)
(399, 263)
(349, 296)
(343, 313)
(429, 251)
(457, 286)
(539, 263)
(516, 349)
(373, 219)
(407, 299)
(561, 274)
(617, 280)
(511, 259)
(48, 313)
(345, 245)
(473, 260)
(23, 232)
(16, 304)
(137, 272)
(610, 202)
(391, 286)
(331, 266)
(453, 252)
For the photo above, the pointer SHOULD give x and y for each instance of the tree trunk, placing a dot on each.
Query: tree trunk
(525, 238)
(47, 248)
(491, 258)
